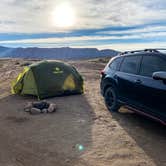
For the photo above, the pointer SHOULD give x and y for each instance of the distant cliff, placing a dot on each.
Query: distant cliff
(55, 53)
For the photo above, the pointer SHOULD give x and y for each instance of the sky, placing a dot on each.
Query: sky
(114, 24)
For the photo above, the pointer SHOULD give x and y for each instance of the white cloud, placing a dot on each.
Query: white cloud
(147, 29)
(34, 16)
(63, 40)
(134, 46)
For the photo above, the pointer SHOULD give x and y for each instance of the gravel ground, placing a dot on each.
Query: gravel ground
(81, 133)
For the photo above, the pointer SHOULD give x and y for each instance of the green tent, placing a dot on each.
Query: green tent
(47, 79)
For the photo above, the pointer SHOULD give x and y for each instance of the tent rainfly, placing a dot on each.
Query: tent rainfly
(47, 79)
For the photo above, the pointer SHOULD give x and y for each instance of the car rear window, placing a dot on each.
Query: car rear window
(115, 64)
(131, 64)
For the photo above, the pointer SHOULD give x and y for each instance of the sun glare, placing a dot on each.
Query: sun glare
(64, 16)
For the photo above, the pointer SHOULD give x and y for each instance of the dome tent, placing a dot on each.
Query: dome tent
(47, 79)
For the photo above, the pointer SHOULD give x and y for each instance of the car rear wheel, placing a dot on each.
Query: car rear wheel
(110, 97)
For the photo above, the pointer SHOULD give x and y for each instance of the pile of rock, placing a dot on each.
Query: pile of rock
(40, 107)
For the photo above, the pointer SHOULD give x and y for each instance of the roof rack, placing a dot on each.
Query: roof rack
(162, 49)
(145, 50)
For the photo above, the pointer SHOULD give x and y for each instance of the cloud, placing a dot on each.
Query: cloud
(34, 16)
(146, 29)
(132, 46)
(120, 24)
(142, 35)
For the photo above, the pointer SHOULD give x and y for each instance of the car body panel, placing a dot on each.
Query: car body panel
(144, 94)
(152, 94)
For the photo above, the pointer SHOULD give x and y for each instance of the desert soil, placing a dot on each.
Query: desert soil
(81, 133)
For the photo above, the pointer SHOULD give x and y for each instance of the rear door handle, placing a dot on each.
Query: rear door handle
(115, 76)
(138, 81)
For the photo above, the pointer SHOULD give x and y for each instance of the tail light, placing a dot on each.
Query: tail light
(102, 72)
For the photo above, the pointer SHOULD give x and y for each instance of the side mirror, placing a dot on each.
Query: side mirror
(161, 75)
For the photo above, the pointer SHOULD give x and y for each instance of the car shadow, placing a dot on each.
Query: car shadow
(60, 138)
(148, 134)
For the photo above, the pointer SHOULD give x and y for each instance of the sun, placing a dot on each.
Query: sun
(64, 16)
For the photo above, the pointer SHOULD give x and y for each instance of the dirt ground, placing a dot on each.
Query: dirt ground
(81, 133)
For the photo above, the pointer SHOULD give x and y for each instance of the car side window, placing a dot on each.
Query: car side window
(151, 64)
(131, 64)
(115, 64)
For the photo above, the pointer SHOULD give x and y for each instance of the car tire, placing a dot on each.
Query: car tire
(111, 99)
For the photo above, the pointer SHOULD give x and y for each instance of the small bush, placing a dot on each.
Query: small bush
(26, 64)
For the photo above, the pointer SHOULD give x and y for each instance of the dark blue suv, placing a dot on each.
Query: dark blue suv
(137, 79)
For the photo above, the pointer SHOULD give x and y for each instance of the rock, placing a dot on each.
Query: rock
(28, 107)
(44, 110)
(26, 64)
(52, 108)
(67, 161)
(35, 111)
(17, 63)
(40, 107)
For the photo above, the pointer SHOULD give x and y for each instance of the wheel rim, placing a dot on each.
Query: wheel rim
(110, 98)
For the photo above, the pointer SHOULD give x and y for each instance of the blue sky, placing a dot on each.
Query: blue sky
(120, 24)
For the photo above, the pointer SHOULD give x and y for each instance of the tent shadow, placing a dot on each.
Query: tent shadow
(59, 138)
(148, 134)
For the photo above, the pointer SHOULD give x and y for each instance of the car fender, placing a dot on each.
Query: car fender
(109, 82)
